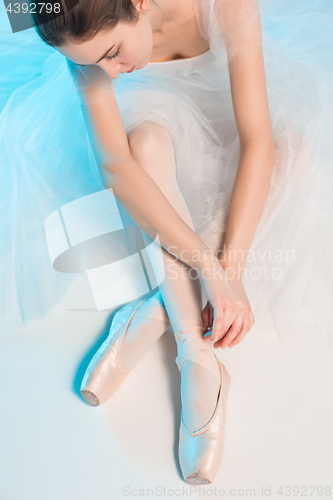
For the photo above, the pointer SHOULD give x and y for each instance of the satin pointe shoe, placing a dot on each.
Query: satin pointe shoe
(105, 374)
(200, 452)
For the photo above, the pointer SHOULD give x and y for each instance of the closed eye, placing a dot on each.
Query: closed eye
(113, 56)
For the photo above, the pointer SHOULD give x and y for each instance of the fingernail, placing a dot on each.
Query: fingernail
(224, 346)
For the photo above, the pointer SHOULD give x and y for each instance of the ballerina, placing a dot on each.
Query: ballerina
(148, 130)
(145, 156)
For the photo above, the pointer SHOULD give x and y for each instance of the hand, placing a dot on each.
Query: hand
(228, 304)
(240, 327)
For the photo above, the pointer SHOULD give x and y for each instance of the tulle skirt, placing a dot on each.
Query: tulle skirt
(48, 162)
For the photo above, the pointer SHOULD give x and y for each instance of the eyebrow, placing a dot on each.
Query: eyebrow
(105, 54)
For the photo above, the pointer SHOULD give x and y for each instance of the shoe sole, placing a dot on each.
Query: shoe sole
(90, 398)
(194, 480)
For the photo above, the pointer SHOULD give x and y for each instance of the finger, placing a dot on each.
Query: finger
(231, 313)
(231, 333)
(228, 319)
(217, 323)
(252, 317)
(245, 329)
(239, 337)
(220, 325)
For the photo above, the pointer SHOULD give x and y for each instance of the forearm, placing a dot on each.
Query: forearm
(135, 190)
(150, 209)
(246, 205)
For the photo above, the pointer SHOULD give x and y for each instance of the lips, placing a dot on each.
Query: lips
(130, 70)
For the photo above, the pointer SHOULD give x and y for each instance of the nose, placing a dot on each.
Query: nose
(112, 70)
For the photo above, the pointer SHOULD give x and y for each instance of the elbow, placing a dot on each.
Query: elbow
(262, 147)
(119, 175)
(114, 168)
(269, 145)
(270, 151)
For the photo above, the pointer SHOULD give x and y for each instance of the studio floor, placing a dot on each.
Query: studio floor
(279, 437)
(54, 446)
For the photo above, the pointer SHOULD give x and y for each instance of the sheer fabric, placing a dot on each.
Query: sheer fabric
(232, 27)
(47, 159)
(92, 83)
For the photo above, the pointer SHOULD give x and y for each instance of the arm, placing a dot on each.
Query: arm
(251, 184)
(148, 207)
(134, 188)
(250, 103)
(238, 25)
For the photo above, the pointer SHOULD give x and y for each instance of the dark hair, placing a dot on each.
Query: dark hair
(79, 20)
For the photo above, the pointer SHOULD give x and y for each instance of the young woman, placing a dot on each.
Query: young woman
(195, 148)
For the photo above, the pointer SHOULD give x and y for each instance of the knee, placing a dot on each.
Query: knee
(148, 137)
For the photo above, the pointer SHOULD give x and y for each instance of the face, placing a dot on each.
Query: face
(131, 46)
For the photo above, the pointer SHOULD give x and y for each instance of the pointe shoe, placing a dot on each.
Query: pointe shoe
(200, 452)
(105, 374)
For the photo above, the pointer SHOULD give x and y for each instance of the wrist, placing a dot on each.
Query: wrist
(209, 266)
(233, 261)
(234, 270)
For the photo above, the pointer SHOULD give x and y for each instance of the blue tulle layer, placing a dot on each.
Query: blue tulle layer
(47, 161)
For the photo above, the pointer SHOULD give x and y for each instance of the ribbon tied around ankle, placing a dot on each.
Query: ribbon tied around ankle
(188, 334)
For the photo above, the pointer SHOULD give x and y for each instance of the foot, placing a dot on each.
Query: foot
(200, 376)
(199, 391)
(147, 326)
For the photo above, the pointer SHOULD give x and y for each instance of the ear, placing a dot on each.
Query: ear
(142, 6)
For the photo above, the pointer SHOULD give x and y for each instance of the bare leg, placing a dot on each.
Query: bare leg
(151, 146)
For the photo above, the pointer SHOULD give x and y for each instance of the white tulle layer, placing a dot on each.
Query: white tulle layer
(47, 161)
